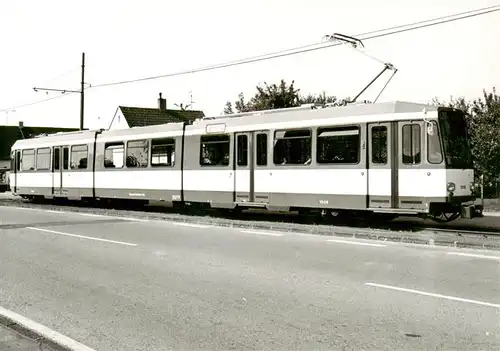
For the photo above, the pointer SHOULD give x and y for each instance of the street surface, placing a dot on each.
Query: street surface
(115, 284)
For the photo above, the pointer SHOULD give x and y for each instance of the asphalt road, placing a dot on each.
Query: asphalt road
(114, 284)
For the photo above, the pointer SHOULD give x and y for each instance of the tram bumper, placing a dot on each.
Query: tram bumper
(471, 211)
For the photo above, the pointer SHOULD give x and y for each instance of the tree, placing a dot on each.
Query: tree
(483, 118)
(317, 99)
(274, 96)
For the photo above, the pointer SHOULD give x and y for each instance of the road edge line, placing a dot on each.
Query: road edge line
(40, 333)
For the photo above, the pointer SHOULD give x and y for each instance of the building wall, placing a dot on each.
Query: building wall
(119, 122)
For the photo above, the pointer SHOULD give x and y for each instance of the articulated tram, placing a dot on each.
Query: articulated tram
(392, 158)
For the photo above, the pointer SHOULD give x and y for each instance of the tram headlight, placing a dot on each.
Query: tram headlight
(451, 186)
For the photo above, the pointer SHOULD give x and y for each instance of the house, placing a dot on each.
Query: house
(129, 117)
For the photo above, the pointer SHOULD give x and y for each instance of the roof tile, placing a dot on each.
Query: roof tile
(141, 117)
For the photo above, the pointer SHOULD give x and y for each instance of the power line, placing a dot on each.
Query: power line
(297, 50)
(314, 47)
(35, 102)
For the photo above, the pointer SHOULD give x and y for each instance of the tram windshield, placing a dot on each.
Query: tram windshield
(455, 139)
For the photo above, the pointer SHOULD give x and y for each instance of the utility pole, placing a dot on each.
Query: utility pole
(82, 97)
(81, 91)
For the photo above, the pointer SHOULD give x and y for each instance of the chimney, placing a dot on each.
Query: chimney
(162, 103)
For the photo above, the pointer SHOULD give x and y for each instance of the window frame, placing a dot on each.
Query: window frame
(50, 157)
(245, 151)
(148, 147)
(411, 124)
(441, 146)
(22, 160)
(151, 154)
(274, 143)
(347, 127)
(386, 145)
(202, 143)
(266, 149)
(114, 143)
(71, 157)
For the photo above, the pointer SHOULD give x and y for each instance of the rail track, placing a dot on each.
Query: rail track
(402, 224)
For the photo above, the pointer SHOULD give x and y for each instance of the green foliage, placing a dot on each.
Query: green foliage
(317, 99)
(274, 96)
(483, 117)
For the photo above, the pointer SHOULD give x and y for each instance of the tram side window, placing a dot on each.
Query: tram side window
(339, 145)
(113, 155)
(79, 157)
(412, 148)
(242, 143)
(262, 149)
(379, 145)
(18, 160)
(57, 159)
(434, 153)
(28, 160)
(65, 157)
(43, 159)
(13, 161)
(137, 153)
(214, 150)
(292, 147)
(163, 152)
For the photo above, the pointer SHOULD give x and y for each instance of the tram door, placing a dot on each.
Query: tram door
(251, 172)
(382, 165)
(60, 163)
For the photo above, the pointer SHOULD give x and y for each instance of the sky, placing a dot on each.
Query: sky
(42, 43)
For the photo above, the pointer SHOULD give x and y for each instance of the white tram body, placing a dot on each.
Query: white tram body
(396, 157)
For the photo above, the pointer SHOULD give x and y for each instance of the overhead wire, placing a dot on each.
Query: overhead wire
(309, 48)
(297, 50)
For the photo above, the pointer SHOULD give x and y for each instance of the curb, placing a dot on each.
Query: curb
(39, 333)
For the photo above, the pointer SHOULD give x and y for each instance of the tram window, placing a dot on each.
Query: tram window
(434, 153)
(28, 160)
(163, 152)
(214, 150)
(292, 147)
(43, 159)
(242, 153)
(79, 157)
(379, 145)
(338, 145)
(57, 160)
(13, 161)
(412, 148)
(137, 154)
(18, 160)
(65, 158)
(113, 155)
(261, 149)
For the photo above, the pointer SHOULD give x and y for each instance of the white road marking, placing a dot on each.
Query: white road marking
(356, 243)
(90, 214)
(474, 255)
(54, 211)
(435, 295)
(261, 233)
(43, 331)
(81, 236)
(193, 225)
